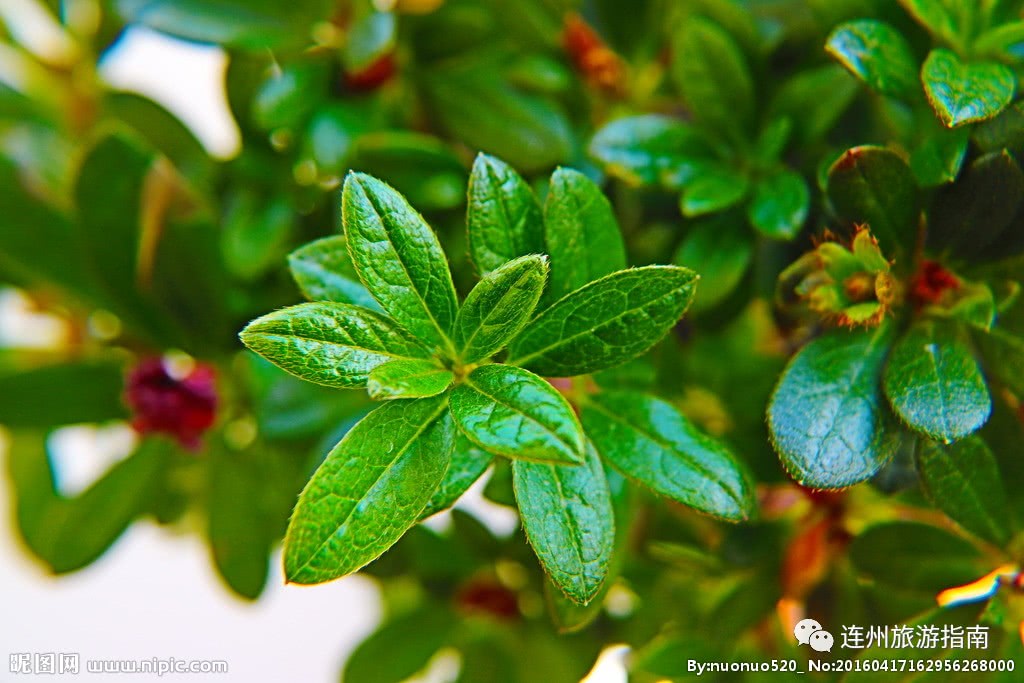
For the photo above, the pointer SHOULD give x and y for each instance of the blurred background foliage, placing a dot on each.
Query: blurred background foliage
(715, 128)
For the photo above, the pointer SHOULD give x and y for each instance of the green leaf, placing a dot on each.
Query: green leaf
(605, 323)
(467, 465)
(419, 166)
(874, 186)
(723, 248)
(509, 411)
(827, 418)
(289, 95)
(966, 93)
(70, 533)
(498, 308)
(503, 217)
(1004, 357)
(780, 205)
(1004, 43)
(712, 74)
(970, 214)
(247, 24)
(914, 556)
(370, 37)
(333, 344)
(814, 100)
(936, 16)
(323, 271)
(255, 233)
(371, 488)
(963, 480)
(407, 379)
(419, 634)
(568, 518)
(877, 54)
(713, 190)
(399, 259)
(651, 149)
(581, 233)
(651, 442)
(934, 384)
(939, 158)
(67, 393)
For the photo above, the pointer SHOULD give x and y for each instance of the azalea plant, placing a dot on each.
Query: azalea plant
(719, 297)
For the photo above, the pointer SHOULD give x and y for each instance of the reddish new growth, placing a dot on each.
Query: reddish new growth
(931, 282)
(601, 67)
(372, 76)
(488, 597)
(183, 407)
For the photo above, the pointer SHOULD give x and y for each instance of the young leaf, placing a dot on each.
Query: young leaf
(333, 344)
(780, 205)
(581, 233)
(877, 54)
(723, 248)
(468, 464)
(651, 149)
(509, 411)
(371, 488)
(715, 189)
(407, 379)
(399, 259)
(873, 185)
(934, 384)
(827, 418)
(965, 93)
(323, 271)
(568, 518)
(651, 442)
(963, 480)
(712, 75)
(605, 323)
(498, 308)
(503, 217)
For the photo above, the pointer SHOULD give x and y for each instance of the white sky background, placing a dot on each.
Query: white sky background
(155, 594)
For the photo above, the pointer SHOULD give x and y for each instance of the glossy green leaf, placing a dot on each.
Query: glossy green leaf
(568, 517)
(407, 379)
(877, 54)
(333, 344)
(323, 271)
(970, 214)
(371, 488)
(581, 233)
(874, 186)
(468, 464)
(70, 533)
(712, 74)
(248, 24)
(508, 411)
(962, 93)
(605, 323)
(722, 247)
(651, 149)
(66, 393)
(652, 443)
(828, 419)
(963, 480)
(713, 190)
(498, 308)
(934, 384)
(1004, 357)
(504, 219)
(780, 205)
(399, 259)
